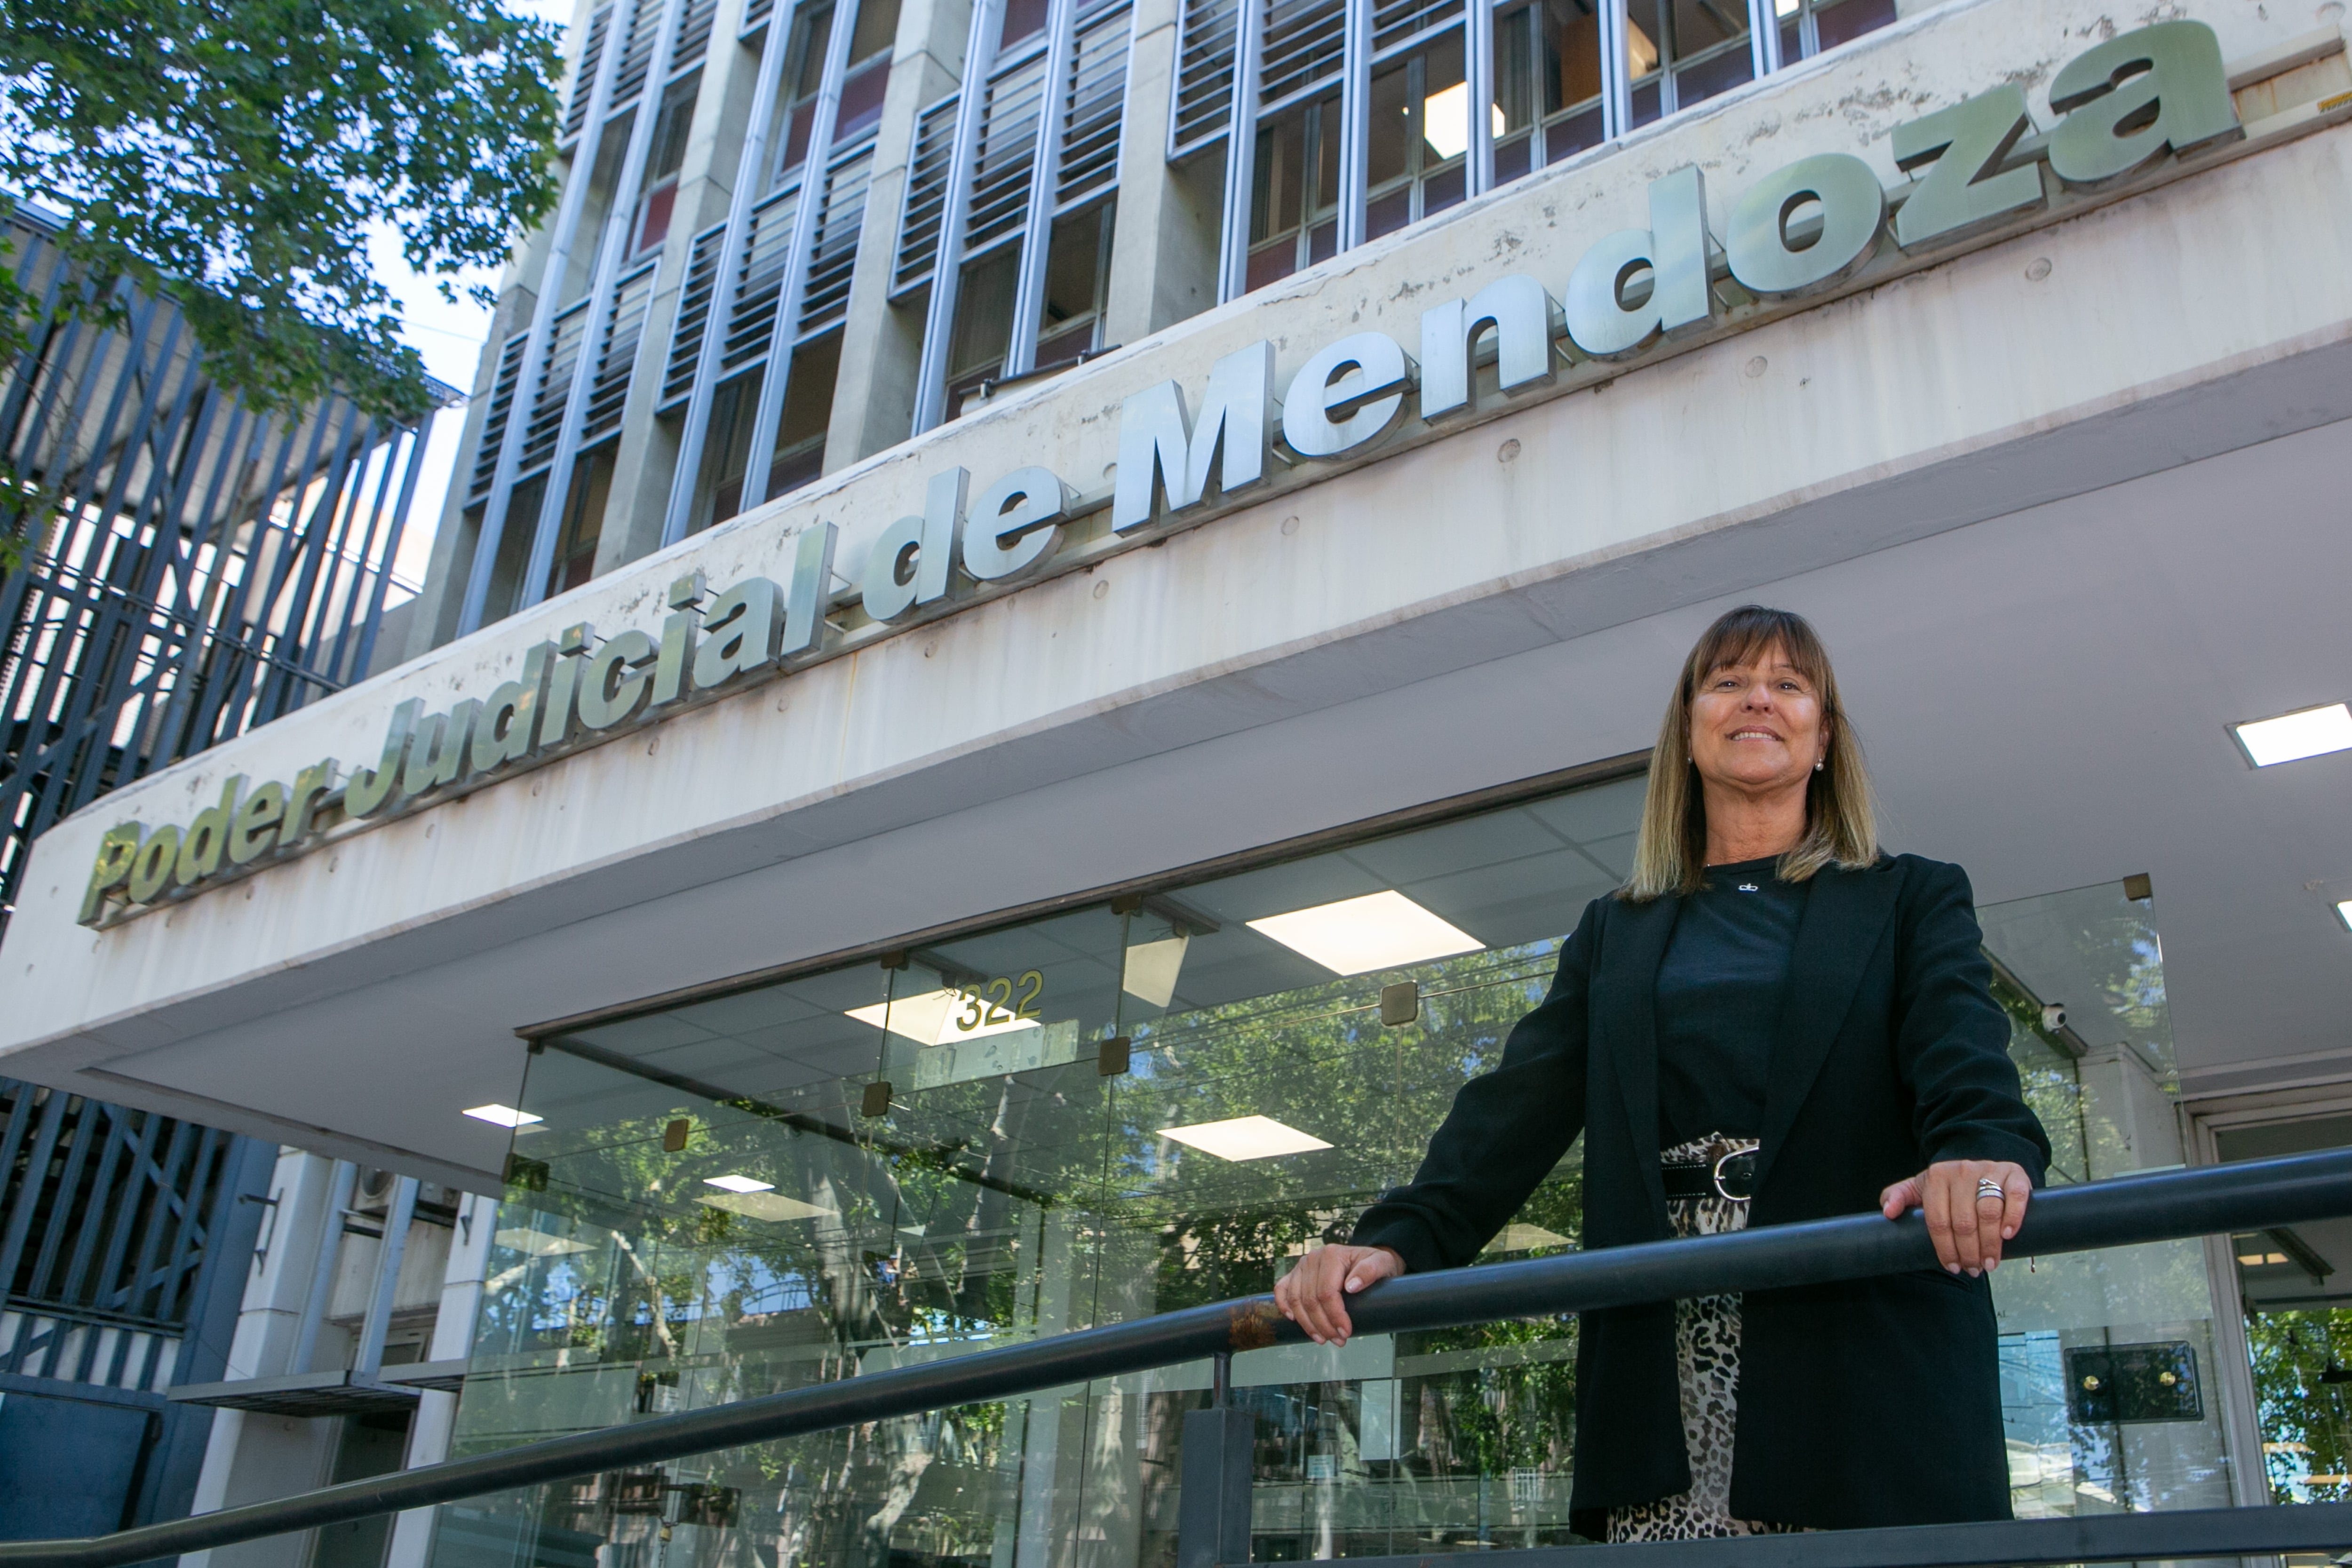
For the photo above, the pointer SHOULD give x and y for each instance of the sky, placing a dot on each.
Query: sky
(450, 339)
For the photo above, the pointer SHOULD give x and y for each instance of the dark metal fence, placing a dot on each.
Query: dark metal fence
(1213, 1523)
(192, 569)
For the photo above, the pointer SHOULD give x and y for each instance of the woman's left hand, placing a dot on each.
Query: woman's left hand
(1968, 1225)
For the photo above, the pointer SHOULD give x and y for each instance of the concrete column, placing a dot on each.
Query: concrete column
(453, 1340)
(647, 448)
(434, 619)
(882, 343)
(1163, 248)
(248, 1456)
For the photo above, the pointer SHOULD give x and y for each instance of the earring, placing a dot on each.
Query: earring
(1817, 767)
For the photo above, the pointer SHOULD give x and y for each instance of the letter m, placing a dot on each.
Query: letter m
(1160, 447)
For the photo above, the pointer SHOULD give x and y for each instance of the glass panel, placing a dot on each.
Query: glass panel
(983, 325)
(1644, 38)
(1389, 148)
(1571, 133)
(1024, 20)
(1718, 72)
(861, 100)
(2297, 1293)
(2088, 1337)
(1515, 71)
(1513, 157)
(706, 1213)
(1700, 25)
(1851, 19)
(807, 73)
(1076, 265)
(1571, 42)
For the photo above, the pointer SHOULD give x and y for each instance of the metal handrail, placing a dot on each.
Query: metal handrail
(2125, 1211)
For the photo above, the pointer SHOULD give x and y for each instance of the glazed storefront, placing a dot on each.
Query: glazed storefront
(1160, 1101)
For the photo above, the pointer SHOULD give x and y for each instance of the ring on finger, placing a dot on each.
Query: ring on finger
(1988, 1188)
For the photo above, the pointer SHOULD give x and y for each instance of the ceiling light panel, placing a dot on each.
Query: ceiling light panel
(1360, 936)
(2291, 737)
(1244, 1138)
(738, 1184)
(503, 1116)
(773, 1207)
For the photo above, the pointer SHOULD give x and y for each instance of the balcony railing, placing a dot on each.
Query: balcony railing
(1213, 1523)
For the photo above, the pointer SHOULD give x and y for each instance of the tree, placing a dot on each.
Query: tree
(233, 155)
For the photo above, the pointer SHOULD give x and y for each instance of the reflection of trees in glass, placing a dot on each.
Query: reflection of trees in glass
(2307, 1421)
(937, 1229)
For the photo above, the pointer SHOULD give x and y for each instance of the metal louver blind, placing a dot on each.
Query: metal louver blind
(766, 248)
(693, 33)
(494, 418)
(1091, 107)
(555, 388)
(609, 395)
(645, 19)
(693, 314)
(1394, 21)
(1304, 42)
(754, 15)
(834, 255)
(927, 195)
(113, 1210)
(1007, 155)
(1205, 76)
(583, 81)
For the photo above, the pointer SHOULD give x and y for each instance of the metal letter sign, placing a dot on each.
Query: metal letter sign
(1802, 227)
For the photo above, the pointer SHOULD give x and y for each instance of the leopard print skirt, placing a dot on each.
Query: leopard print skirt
(1706, 1355)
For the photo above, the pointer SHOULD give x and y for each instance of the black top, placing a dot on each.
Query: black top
(1719, 989)
(1890, 1054)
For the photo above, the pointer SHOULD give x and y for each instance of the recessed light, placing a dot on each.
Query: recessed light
(773, 1207)
(503, 1116)
(939, 1017)
(739, 1185)
(2290, 737)
(1357, 936)
(1244, 1138)
(2344, 913)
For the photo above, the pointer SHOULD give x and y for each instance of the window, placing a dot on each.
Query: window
(659, 202)
(1295, 216)
(804, 76)
(868, 76)
(1682, 52)
(1420, 131)
(1078, 272)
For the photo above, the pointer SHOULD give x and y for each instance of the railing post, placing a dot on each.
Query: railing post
(1212, 1516)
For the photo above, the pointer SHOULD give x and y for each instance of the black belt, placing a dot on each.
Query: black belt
(1732, 1176)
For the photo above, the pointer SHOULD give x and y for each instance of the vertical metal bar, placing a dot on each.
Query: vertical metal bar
(100, 688)
(159, 1218)
(388, 450)
(187, 1238)
(29, 1198)
(322, 1275)
(1616, 85)
(95, 1215)
(323, 537)
(1355, 122)
(1044, 182)
(792, 287)
(1241, 152)
(209, 711)
(612, 252)
(726, 285)
(576, 182)
(1764, 37)
(374, 622)
(955, 216)
(1479, 52)
(1212, 1510)
(125, 1219)
(370, 1358)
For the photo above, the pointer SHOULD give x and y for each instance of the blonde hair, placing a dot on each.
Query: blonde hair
(1841, 826)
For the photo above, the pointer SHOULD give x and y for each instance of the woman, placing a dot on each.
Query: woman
(1771, 1021)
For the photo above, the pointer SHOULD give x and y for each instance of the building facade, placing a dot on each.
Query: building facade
(1052, 612)
(185, 569)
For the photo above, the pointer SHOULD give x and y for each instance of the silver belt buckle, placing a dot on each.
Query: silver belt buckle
(1716, 1175)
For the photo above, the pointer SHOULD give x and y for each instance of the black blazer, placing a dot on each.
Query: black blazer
(1871, 1403)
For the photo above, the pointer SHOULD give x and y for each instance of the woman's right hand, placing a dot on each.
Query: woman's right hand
(1314, 1295)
